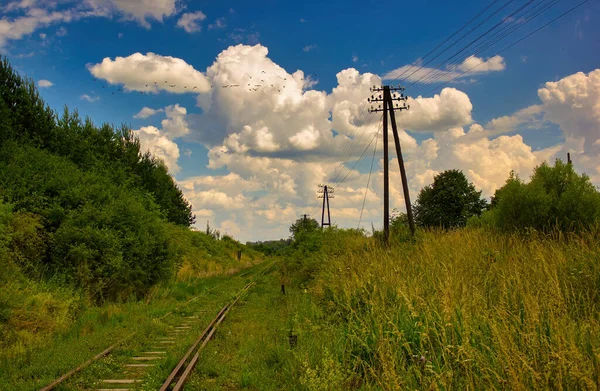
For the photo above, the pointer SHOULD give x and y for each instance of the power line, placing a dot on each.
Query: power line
(360, 158)
(460, 39)
(529, 16)
(470, 43)
(356, 142)
(349, 149)
(516, 42)
(368, 181)
(447, 39)
(482, 12)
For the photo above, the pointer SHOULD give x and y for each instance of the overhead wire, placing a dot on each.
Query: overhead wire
(460, 39)
(446, 40)
(368, 181)
(353, 146)
(348, 150)
(518, 41)
(464, 48)
(350, 147)
(509, 29)
(359, 159)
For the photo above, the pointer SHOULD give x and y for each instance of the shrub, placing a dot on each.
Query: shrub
(555, 198)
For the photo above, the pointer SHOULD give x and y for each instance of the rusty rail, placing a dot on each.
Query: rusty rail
(184, 368)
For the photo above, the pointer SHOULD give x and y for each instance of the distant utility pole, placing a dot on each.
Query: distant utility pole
(326, 193)
(569, 158)
(304, 220)
(388, 106)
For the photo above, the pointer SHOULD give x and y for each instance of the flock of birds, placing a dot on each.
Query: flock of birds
(251, 87)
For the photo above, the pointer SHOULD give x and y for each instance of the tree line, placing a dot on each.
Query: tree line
(555, 198)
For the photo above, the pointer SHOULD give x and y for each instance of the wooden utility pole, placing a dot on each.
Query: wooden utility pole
(401, 163)
(385, 96)
(386, 177)
(326, 194)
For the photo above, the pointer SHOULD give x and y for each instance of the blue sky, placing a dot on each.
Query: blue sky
(260, 183)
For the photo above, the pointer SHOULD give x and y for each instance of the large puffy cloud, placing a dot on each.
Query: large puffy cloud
(448, 109)
(160, 142)
(278, 144)
(260, 109)
(160, 146)
(486, 161)
(151, 73)
(574, 104)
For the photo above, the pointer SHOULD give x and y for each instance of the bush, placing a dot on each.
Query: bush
(114, 250)
(555, 198)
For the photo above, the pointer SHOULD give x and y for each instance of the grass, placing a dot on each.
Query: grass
(459, 310)
(469, 310)
(251, 349)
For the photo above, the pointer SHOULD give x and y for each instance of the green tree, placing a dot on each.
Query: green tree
(449, 202)
(555, 197)
(24, 116)
(303, 226)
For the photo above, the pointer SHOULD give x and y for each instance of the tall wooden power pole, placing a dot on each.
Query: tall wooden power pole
(326, 194)
(390, 103)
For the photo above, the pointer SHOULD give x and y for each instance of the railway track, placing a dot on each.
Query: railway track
(135, 369)
(184, 368)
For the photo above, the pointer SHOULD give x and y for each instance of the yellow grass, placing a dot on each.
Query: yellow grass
(469, 309)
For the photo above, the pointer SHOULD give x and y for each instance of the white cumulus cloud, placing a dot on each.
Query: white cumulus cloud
(45, 83)
(141, 10)
(32, 15)
(277, 143)
(160, 146)
(151, 73)
(147, 112)
(189, 21)
(470, 66)
(88, 98)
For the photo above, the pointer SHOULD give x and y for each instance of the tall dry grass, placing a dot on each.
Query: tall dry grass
(469, 310)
